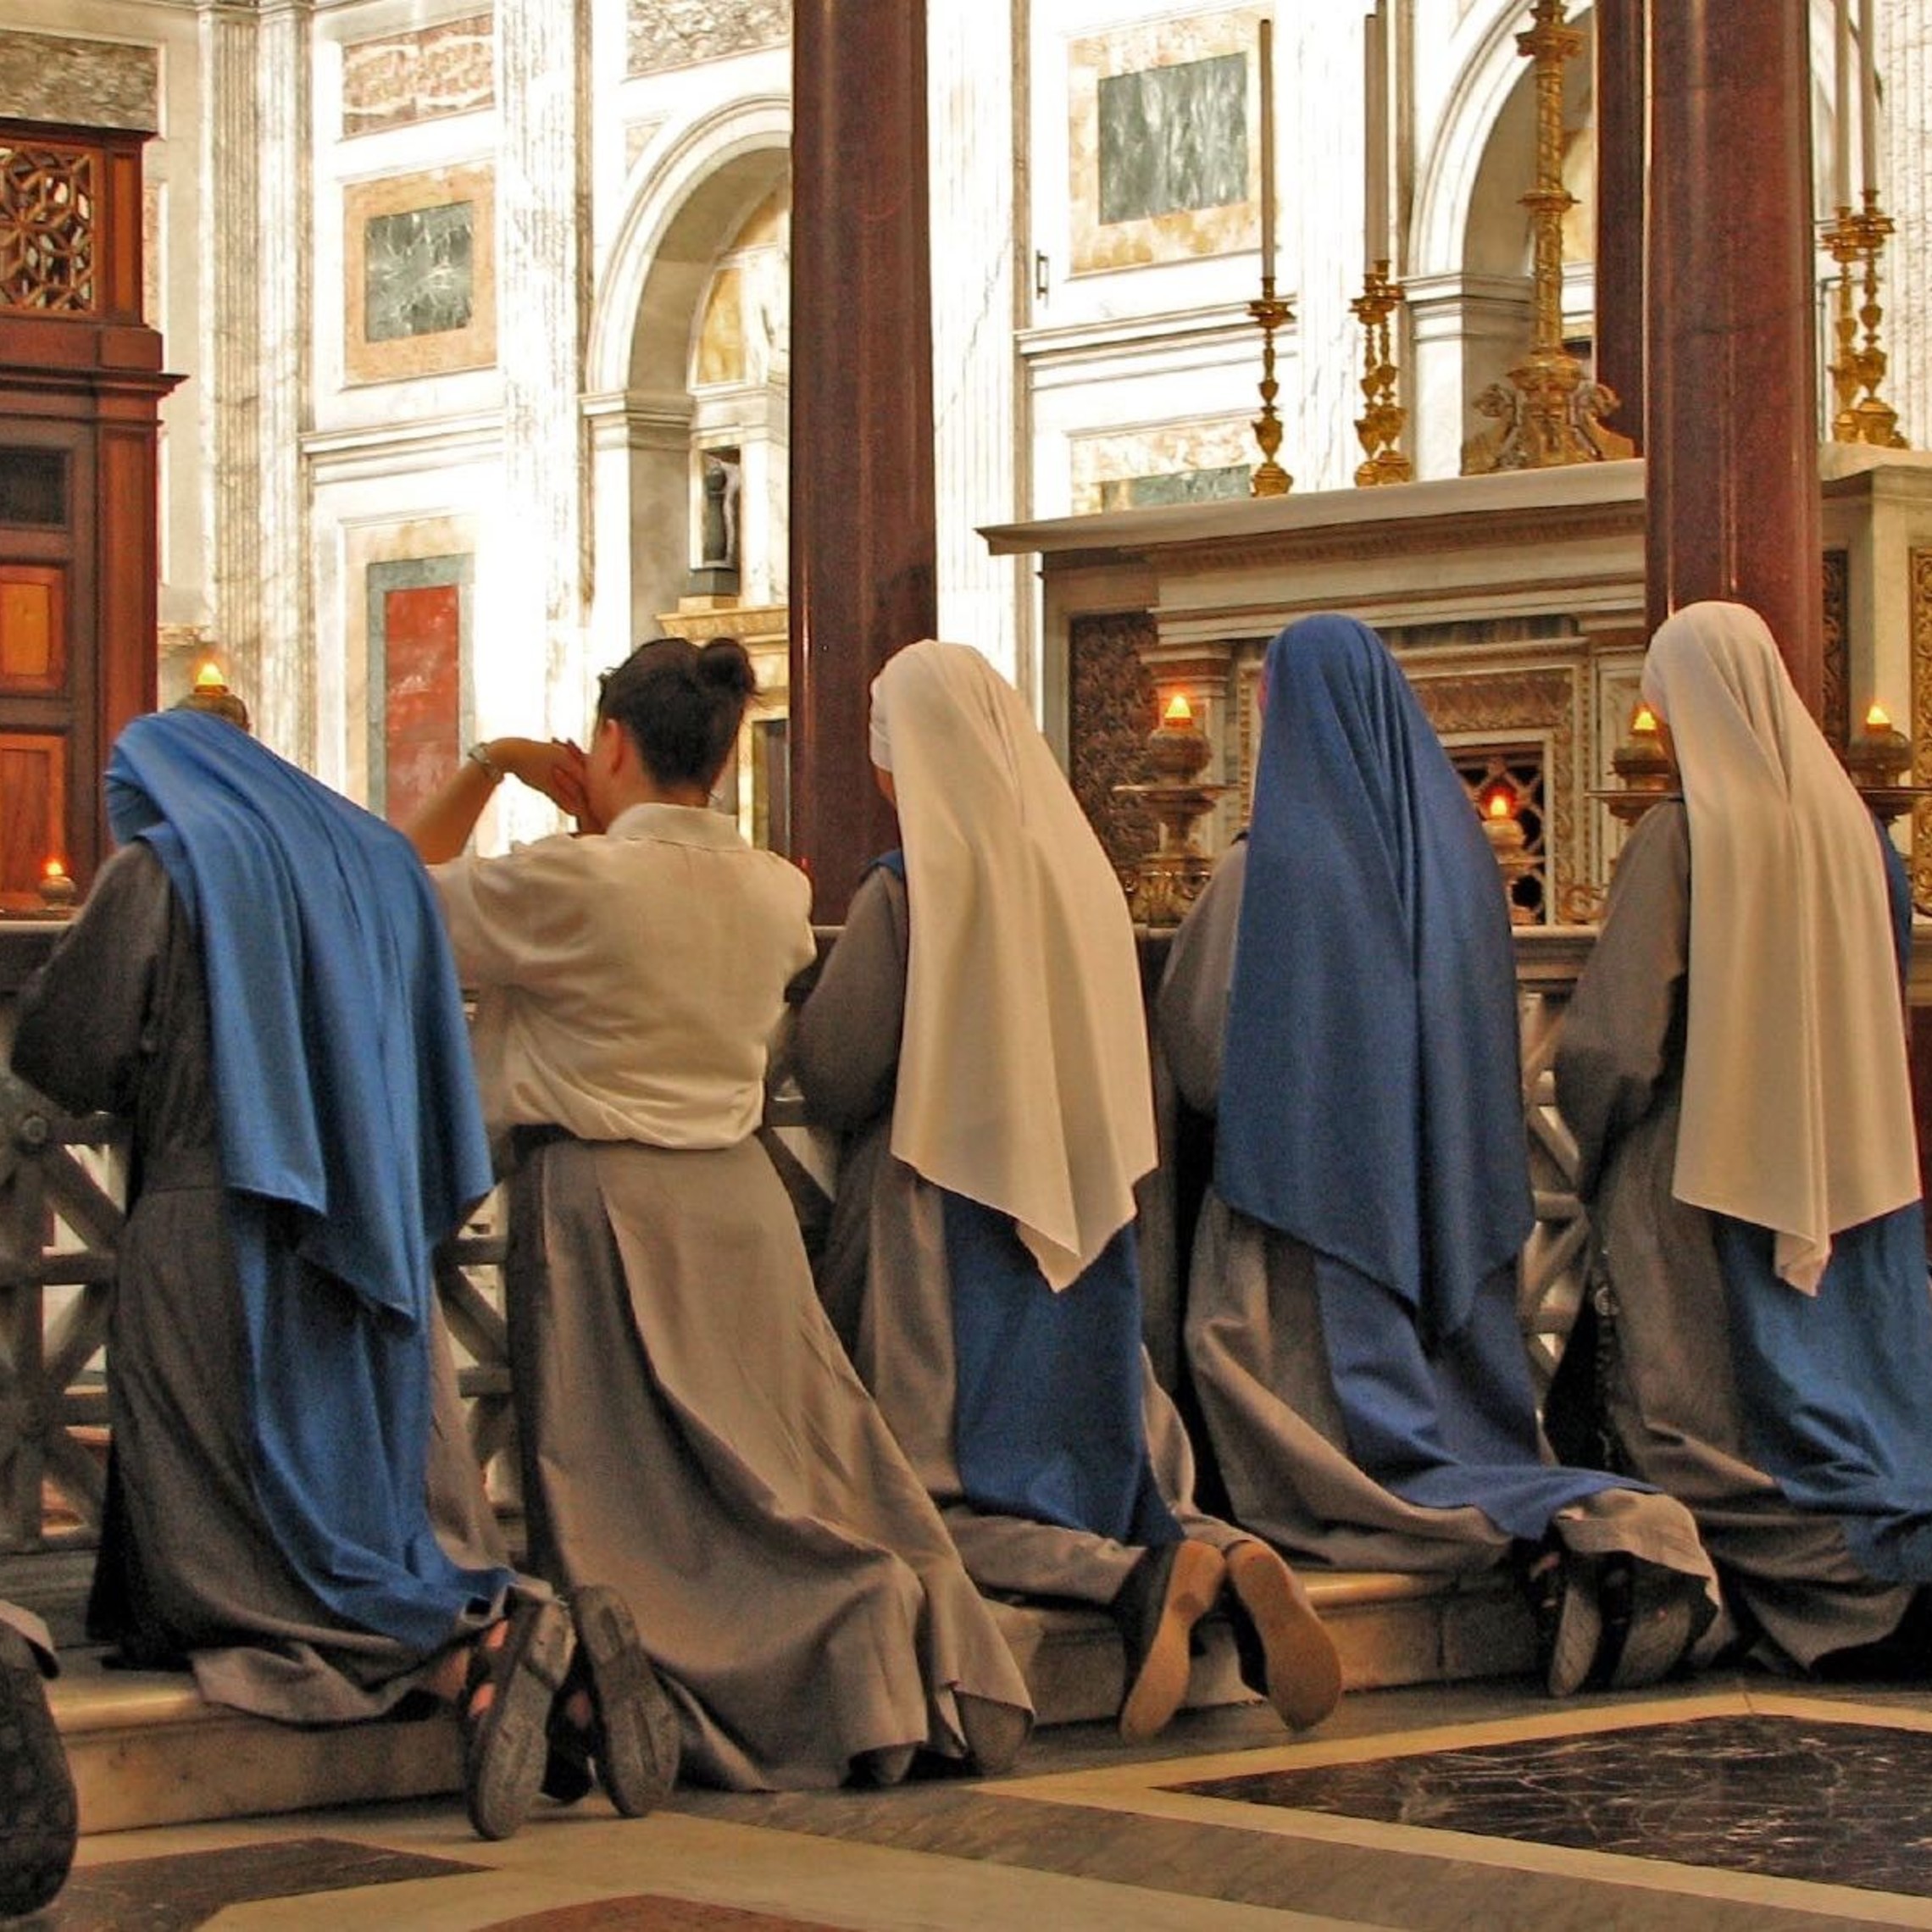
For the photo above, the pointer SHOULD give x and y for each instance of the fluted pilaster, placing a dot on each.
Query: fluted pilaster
(543, 49)
(230, 400)
(282, 258)
(1905, 71)
(976, 106)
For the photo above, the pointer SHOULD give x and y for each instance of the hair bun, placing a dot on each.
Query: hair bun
(725, 662)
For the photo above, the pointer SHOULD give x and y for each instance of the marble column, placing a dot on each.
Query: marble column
(977, 51)
(1731, 423)
(862, 542)
(1905, 72)
(543, 268)
(1621, 88)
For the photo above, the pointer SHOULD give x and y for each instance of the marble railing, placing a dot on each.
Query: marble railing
(61, 1190)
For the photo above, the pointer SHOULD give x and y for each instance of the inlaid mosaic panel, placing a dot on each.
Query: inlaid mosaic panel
(1782, 1796)
(662, 34)
(419, 272)
(89, 83)
(399, 78)
(1164, 154)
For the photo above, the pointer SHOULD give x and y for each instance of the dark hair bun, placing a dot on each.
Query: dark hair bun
(725, 661)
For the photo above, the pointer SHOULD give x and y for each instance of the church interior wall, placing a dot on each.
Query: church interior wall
(1081, 363)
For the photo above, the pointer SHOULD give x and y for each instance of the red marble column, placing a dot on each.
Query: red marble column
(864, 564)
(1622, 114)
(1730, 428)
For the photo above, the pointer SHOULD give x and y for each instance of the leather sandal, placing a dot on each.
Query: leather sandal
(1166, 1593)
(633, 1734)
(505, 1741)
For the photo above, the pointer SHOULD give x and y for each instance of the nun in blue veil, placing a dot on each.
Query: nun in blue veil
(1341, 999)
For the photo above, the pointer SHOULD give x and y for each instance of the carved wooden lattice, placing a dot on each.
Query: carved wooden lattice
(60, 1222)
(47, 204)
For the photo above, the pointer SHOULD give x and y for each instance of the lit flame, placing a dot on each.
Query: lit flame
(1497, 804)
(54, 869)
(1644, 724)
(1178, 711)
(1878, 718)
(209, 677)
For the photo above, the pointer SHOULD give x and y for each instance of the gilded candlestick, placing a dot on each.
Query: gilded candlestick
(1379, 426)
(1270, 479)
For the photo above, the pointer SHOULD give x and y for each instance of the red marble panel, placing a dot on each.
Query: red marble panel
(422, 692)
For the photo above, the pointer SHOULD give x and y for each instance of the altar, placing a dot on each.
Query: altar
(1515, 603)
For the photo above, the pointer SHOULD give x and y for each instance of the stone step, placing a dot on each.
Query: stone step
(147, 1751)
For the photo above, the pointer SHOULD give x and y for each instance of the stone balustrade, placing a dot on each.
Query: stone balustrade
(61, 1191)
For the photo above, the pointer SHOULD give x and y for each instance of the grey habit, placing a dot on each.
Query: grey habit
(1672, 1394)
(1254, 1342)
(885, 1281)
(117, 1022)
(694, 1435)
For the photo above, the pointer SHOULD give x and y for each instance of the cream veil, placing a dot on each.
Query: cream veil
(1797, 1109)
(1023, 1079)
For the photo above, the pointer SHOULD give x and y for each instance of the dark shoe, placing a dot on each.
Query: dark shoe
(1280, 1639)
(38, 1817)
(1166, 1593)
(1562, 1590)
(504, 1742)
(633, 1735)
(995, 1732)
(1652, 1616)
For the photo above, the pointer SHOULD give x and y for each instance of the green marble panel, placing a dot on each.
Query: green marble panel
(1174, 138)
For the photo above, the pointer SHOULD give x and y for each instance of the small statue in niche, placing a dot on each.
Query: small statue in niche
(720, 539)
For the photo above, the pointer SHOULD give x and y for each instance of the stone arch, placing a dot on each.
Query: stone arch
(687, 196)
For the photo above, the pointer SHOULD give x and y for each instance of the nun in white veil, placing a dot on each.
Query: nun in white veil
(1734, 1068)
(978, 1033)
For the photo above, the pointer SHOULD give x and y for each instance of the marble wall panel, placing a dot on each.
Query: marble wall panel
(406, 670)
(419, 647)
(1182, 463)
(91, 82)
(663, 33)
(399, 78)
(1164, 156)
(1174, 138)
(419, 262)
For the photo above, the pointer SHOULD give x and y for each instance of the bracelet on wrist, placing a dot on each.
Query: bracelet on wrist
(478, 754)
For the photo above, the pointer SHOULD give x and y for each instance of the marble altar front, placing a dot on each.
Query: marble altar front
(1515, 602)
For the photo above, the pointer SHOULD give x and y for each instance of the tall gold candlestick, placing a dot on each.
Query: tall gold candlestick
(1379, 425)
(1270, 479)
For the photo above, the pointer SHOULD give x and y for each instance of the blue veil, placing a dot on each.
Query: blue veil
(1374, 984)
(1370, 1102)
(350, 1142)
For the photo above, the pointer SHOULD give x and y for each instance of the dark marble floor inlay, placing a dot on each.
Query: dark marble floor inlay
(178, 1893)
(1786, 1797)
(654, 1912)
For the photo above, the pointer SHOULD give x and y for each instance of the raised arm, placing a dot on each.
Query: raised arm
(442, 825)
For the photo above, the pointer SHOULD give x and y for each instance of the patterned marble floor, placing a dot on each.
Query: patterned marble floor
(1730, 1804)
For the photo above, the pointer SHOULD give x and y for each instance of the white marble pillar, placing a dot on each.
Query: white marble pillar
(255, 237)
(1466, 332)
(979, 246)
(229, 406)
(543, 182)
(1905, 72)
(284, 698)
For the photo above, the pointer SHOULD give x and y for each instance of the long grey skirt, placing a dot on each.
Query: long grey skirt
(190, 1566)
(694, 1436)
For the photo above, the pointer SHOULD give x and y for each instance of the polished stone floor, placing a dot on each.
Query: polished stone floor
(1732, 1803)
